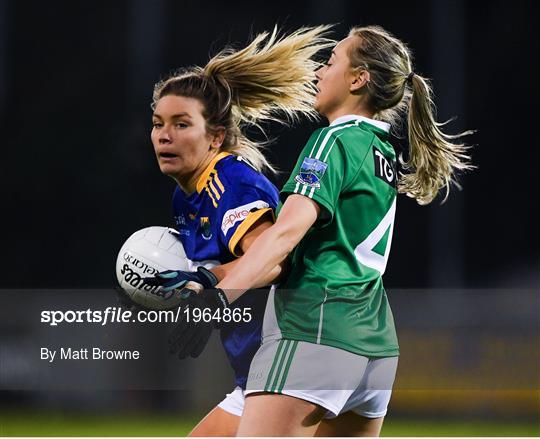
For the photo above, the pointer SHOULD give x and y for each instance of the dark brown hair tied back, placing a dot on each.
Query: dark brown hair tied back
(218, 86)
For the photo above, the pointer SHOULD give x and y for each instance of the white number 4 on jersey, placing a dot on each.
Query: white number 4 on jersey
(364, 251)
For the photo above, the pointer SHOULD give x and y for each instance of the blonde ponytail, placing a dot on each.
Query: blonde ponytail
(272, 76)
(434, 157)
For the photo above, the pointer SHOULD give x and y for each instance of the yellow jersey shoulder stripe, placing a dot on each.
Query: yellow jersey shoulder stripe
(205, 176)
(211, 186)
(209, 192)
(214, 187)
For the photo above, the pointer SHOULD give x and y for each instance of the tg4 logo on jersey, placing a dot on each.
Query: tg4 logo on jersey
(311, 172)
(384, 169)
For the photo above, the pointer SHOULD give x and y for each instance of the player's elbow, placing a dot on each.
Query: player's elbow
(281, 271)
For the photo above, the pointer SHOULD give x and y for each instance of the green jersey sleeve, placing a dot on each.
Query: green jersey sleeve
(319, 173)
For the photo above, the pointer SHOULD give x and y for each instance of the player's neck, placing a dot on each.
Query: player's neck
(356, 108)
(188, 183)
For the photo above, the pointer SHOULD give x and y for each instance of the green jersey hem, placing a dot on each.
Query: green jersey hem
(391, 352)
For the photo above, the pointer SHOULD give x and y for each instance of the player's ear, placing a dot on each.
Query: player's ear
(359, 79)
(218, 138)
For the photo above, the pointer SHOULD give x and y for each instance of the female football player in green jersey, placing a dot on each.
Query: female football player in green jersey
(329, 344)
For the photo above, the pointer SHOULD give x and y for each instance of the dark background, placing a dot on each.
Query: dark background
(78, 171)
(78, 174)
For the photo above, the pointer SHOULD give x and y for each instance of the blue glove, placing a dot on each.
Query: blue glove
(172, 279)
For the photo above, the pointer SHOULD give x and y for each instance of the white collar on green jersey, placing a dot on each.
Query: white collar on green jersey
(347, 118)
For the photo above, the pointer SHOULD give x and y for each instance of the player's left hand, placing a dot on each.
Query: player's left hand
(172, 279)
(191, 335)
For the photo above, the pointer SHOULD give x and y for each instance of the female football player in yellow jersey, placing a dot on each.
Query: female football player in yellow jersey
(329, 346)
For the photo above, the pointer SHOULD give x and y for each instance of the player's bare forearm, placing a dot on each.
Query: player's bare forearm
(253, 266)
(272, 247)
(272, 277)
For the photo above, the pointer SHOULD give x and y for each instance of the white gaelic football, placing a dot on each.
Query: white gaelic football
(145, 253)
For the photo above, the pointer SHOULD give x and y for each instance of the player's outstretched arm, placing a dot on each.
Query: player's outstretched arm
(272, 247)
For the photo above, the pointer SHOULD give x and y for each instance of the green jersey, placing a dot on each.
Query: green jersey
(334, 294)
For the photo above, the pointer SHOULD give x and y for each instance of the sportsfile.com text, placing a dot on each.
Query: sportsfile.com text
(120, 315)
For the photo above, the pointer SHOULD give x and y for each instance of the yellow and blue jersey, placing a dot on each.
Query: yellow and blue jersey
(230, 197)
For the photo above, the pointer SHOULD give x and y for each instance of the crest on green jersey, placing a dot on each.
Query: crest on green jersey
(311, 172)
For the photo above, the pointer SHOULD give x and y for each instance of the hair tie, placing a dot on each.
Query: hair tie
(409, 77)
